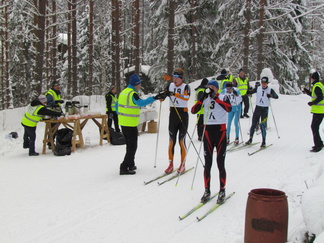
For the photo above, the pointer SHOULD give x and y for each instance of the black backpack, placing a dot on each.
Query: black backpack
(116, 138)
(63, 142)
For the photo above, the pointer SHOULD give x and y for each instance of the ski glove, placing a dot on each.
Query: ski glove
(59, 101)
(161, 96)
(269, 95)
(310, 103)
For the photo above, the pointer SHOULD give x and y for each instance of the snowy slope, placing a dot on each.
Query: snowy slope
(82, 197)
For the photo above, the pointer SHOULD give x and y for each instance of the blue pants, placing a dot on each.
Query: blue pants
(234, 114)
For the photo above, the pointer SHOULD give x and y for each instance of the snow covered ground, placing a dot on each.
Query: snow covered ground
(82, 197)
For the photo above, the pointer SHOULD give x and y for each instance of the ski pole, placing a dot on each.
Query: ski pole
(183, 124)
(193, 132)
(158, 133)
(274, 120)
(202, 139)
(201, 143)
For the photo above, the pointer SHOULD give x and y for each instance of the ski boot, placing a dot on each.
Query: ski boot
(169, 169)
(263, 144)
(236, 141)
(206, 196)
(228, 140)
(182, 168)
(249, 141)
(221, 196)
(246, 115)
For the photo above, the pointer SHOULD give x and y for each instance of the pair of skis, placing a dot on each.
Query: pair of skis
(172, 176)
(260, 149)
(212, 209)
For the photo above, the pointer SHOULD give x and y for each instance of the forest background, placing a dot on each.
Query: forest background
(88, 45)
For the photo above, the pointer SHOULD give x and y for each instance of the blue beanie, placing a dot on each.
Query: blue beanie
(214, 83)
(135, 80)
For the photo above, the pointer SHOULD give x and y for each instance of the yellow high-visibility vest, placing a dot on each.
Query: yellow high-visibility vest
(128, 111)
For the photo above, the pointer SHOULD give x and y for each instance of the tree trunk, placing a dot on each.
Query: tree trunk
(260, 39)
(136, 37)
(90, 76)
(39, 45)
(69, 40)
(74, 51)
(193, 69)
(115, 44)
(54, 43)
(246, 40)
(170, 54)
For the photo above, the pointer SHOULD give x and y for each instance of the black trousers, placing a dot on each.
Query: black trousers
(131, 136)
(178, 122)
(246, 103)
(316, 122)
(200, 125)
(215, 136)
(260, 113)
(29, 138)
(115, 119)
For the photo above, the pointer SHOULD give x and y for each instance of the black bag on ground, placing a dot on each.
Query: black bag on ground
(116, 138)
(63, 142)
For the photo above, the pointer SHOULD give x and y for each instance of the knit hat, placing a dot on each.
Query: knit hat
(229, 84)
(204, 82)
(112, 87)
(214, 83)
(241, 70)
(265, 80)
(135, 80)
(315, 75)
(42, 98)
(55, 83)
(224, 72)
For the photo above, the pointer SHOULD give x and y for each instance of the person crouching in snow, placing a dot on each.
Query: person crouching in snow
(216, 106)
(36, 110)
(236, 100)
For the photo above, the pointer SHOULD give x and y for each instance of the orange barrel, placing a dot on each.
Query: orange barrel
(266, 216)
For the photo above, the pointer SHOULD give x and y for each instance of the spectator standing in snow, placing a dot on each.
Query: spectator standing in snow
(263, 95)
(242, 83)
(235, 99)
(179, 93)
(216, 106)
(129, 108)
(200, 114)
(223, 78)
(317, 108)
(53, 97)
(36, 110)
(111, 101)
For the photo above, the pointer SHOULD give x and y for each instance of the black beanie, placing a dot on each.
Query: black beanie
(204, 82)
(315, 75)
(224, 72)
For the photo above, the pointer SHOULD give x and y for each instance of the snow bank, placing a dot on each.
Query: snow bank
(313, 208)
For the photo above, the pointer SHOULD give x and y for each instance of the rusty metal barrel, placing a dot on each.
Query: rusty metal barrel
(266, 216)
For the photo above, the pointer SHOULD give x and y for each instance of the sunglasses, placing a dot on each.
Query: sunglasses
(176, 76)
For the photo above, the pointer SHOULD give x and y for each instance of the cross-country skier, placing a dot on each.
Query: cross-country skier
(236, 99)
(263, 95)
(216, 106)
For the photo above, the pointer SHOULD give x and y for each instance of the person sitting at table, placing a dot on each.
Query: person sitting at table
(34, 113)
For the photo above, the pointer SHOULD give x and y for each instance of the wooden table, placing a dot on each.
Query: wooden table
(76, 124)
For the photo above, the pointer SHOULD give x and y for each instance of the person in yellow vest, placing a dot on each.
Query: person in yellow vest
(35, 112)
(224, 78)
(129, 108)
(111, 101)
(53, 97)
(200, 114)
(317, 108)
(242, 83)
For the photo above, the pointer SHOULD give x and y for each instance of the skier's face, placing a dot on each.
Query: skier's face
(264, 85)
(177, 80)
